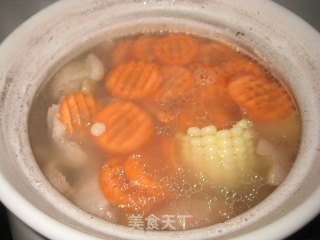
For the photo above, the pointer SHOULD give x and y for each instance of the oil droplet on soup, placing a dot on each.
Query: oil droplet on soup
(164, 131)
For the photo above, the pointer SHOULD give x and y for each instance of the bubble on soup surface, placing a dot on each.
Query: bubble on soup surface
(164, 129)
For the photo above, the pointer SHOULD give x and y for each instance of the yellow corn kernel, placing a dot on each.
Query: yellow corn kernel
(207, 131)
(193, 132)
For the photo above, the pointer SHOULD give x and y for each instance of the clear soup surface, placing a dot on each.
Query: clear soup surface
(164, 131)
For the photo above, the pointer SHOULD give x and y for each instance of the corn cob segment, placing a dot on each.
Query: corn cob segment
(224, 156)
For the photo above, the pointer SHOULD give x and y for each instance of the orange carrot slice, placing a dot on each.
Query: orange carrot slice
(133, 80)
(76, 110)
(241, 67)
(261, 99)
(127, 127)
(142, 48)
(120, 191)
(164, 116)
(176, 49)
(215, 53)
(224, 118)
(121, 52)
(162, 113)
(136, 172)
(221, 107)
(185, 119)
(176, 80)
(205, 75)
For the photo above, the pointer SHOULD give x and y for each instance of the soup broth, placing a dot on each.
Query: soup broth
(165, 131)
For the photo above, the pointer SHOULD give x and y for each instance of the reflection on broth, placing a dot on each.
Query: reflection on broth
(164, 132)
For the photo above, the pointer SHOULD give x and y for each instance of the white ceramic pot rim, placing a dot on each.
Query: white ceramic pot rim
(297, 217)
(56, 230)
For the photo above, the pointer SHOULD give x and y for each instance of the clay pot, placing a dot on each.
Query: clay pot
(31, 54)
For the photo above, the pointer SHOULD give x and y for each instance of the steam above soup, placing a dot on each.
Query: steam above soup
(164, 132)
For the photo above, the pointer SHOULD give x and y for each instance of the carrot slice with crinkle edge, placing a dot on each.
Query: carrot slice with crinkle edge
(76, 110)
(133, 80)
(205, 75)
(261, 99)
(216, 53)
(176, 80)
(135, 171)
(176, 49)
(120, 191)
(239, 67)
(127, 127)
(223, 110)
(142, 48)
(122, 52)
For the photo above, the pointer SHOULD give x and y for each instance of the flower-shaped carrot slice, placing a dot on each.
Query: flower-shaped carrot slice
(122, 52)
(176, 80)
(120, 191)
(76, 110)
(176, 49)
(261, 99)
(142, 48)
(136, 172)
(127, 127)
(133, 80)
